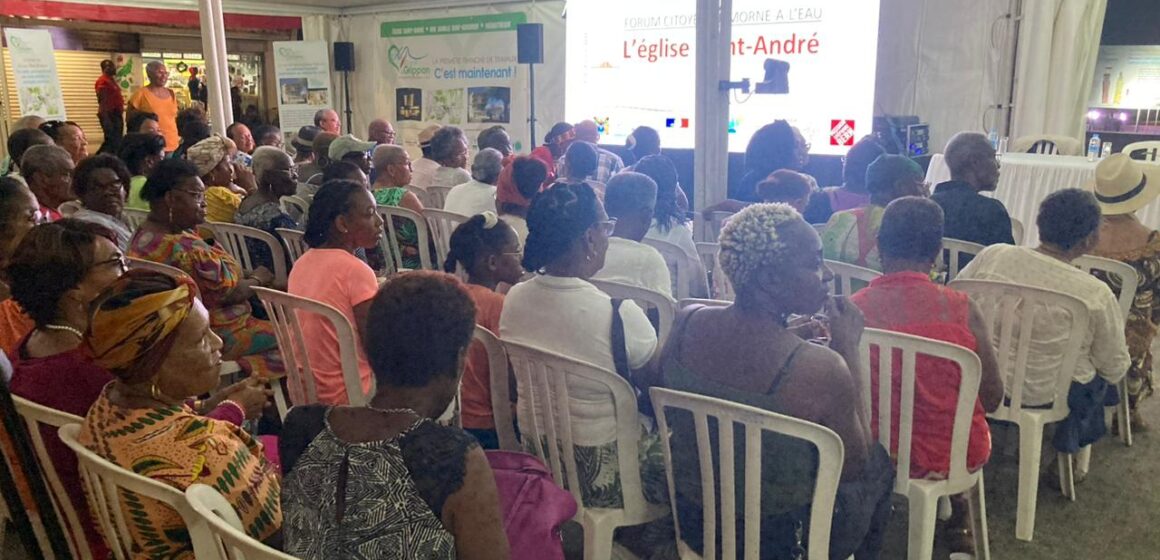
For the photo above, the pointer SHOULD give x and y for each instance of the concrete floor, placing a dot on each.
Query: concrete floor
(1113, 517)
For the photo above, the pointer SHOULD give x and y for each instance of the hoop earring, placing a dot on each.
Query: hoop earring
(171, 215)
(155, 392)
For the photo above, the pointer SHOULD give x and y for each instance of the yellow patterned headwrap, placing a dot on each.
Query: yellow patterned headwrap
(133, 321)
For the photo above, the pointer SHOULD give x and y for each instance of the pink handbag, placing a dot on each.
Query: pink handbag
(533, 506)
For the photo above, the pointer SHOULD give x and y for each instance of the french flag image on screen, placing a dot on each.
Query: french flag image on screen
(676, 123)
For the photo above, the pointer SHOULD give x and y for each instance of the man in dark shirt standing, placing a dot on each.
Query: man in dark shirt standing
(971, 216)
(110, 108)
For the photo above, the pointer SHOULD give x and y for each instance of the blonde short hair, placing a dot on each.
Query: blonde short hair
(752, 241)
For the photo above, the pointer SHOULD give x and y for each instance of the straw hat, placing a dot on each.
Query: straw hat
(1123, 186)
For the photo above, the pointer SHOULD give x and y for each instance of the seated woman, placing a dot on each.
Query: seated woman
(394, 174)
(785, 187)
(342, 220)
(141, 153)
(670, 223)
(519, 183)
(449, 149)
(100, 182)
(153, 335)
(851, 236)
(277, 177)
(488, 251)
(19, 212)
(177, 203)
(214, 166)
(746, 353)
(384, 480)
(1124, 238)
(558, 310)
(905, 300)
(852, 192)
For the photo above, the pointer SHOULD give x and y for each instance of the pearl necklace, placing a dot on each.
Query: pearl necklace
(66, 328)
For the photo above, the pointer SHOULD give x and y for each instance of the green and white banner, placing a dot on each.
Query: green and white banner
(460, 71)
(303, 72)
(34, 66)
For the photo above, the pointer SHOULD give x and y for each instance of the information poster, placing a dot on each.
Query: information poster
(34, 66)
(811, 62)
(303, 72)
(1127, 77)
(460, 71)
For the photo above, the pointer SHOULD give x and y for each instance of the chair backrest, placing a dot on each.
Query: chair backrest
(134, 217)
(296, 207)
(908, 348)
(1017, 231)
(285, 311)
(711, 230)
(754, 422)
(1149, 150)
(442, 224)
(1128, 277)
(1048, 144)
(294, 241)
(236, 240)
(681, 268)
(171, 271)
(421, 194)
(543, 378)
(390, 239)
(1009, 309)
(845, 274)
(719, 286)
(681, 304)
(109, 487)
(221, 527)
(647, 299)
(953, 252)
(437, 196)
(34, 416)
(1043, 146)
(501, 401)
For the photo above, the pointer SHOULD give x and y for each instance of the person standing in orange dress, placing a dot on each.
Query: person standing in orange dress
(158, 99)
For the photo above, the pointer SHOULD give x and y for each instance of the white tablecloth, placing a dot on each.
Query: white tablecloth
(1026, 179)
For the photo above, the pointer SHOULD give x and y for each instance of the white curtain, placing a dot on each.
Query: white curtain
(1059, 41)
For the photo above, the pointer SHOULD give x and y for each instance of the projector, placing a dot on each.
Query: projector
(776, 77)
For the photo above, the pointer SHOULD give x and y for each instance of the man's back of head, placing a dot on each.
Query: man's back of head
(587, 131)
(630, 198)
(487, 165)
(971, 159)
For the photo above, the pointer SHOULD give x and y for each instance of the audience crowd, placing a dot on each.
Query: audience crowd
(398, 454)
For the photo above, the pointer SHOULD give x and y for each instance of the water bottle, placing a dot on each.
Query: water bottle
(1093, 151)
(993, 136)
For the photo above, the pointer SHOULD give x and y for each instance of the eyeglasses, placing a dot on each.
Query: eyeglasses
(292, 172)
(607, 226)
(198, 196)
(118, 259)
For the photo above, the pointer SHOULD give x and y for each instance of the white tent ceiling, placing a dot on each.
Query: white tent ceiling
(302, 7)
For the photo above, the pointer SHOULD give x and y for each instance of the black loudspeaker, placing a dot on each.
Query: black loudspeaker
(530, 43)
(344, 57)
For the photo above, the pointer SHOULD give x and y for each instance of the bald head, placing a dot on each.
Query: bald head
(587, 131)
(28, 121)
(327, 120)
(971, 159)
(381, 132)
(487, 165)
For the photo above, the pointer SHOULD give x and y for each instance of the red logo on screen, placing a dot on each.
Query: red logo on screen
(841, 132)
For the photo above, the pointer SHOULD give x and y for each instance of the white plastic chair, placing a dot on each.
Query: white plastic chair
(421, 194)
(442, 223)
(171, 271)
(106, 485)
(845, 274)
(1049, 144)
(284, 310)
(922, 494)
(682, 270)
(235, 239)
(711, 226)
(545, 415)
(134, 217)
(953, 252)
(501, 403)
(437, 196)
(294, 241)
(390, 239)
(1129, 283)
(1150, 150)
(34, 416)
(754, 422)
(1017, 231)
(719, 286)
(681, 304)
(221, 528)
(296, 207)
(1008, 309)
(647, 299)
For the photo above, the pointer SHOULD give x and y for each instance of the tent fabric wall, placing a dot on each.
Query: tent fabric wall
(370, 91)
(1059, 42)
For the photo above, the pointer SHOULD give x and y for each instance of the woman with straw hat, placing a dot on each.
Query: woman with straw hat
(1122, 187)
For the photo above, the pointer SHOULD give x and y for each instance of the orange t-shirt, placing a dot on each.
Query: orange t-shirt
(476, 387)
(14, 325)
(166, 111)
(342, 281)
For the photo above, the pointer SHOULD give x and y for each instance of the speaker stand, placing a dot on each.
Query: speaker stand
(532, 101)
(346, 93)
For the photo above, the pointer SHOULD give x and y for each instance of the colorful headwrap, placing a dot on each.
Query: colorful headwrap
(133, 322)
(208, 153)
